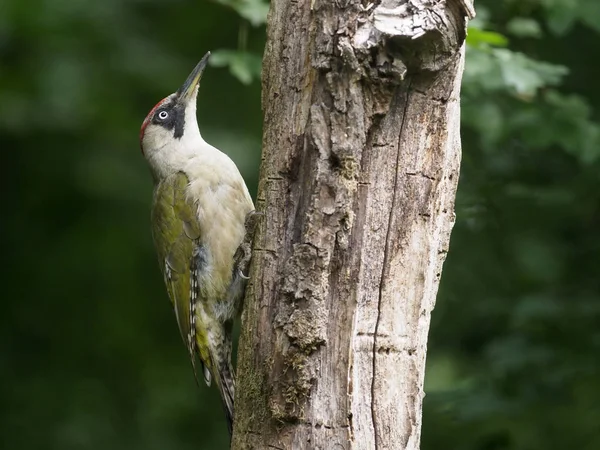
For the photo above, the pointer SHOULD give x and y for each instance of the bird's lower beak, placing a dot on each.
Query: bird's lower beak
(188, 90)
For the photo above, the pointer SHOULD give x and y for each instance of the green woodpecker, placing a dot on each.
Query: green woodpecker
(198, 222)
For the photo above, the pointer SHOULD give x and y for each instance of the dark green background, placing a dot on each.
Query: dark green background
(90, 357)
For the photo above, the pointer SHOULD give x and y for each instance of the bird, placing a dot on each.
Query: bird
(199, 215)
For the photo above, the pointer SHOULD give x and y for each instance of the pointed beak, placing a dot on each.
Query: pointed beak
(188, 90)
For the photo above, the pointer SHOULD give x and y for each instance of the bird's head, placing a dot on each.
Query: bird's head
(170, 130)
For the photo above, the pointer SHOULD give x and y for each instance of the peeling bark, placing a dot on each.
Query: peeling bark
(360, 165)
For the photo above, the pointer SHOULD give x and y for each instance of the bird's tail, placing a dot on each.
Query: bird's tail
(222, 371)
(226, 385)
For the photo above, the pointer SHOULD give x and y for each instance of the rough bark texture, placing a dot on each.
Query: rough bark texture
(360, 166)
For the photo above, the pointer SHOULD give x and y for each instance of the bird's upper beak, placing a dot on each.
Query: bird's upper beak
(188, 90)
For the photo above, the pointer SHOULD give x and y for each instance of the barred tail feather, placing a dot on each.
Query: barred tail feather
(226, 386)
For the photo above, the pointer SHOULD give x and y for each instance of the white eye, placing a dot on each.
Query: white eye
(163, 115)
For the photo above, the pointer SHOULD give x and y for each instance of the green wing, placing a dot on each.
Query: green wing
(176, 234)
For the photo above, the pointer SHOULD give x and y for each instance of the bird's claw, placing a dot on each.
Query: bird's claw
(251, 222)
(242, 276)
(243, 255)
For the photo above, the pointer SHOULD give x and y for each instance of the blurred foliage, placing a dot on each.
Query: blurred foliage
(90, 356)
(515, 341)
(254, 11)
(243, 65)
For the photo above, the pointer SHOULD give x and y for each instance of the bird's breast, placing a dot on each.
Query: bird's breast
(221, 208)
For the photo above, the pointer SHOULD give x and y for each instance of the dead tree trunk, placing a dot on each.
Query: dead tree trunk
(360, 166)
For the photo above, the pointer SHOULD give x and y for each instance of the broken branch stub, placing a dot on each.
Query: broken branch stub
(360, 166)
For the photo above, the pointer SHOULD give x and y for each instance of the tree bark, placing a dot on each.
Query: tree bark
(360, 166)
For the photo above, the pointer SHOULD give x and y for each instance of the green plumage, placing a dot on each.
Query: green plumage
(171, 216)
(177, 236)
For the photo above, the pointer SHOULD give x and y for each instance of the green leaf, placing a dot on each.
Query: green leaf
(500, 69)
(254, 11)
(244, 66)
(590, 13)
(477, 38)
(526, 75)
(572, 125)
(524, 27)
(562, 16)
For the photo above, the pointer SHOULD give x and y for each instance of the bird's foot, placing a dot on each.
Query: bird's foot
(243, 255)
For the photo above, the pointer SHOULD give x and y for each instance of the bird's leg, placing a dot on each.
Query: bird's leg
(243, 255)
